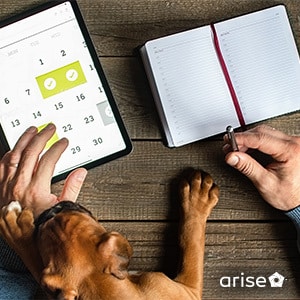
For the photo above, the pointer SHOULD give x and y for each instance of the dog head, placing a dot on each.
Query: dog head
(77, 252)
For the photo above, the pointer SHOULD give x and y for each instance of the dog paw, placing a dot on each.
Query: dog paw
(16, 225)
(199, 194)
(13, 206)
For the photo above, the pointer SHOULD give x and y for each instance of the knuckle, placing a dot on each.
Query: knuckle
(11, 156)
(14, 157)
(261, 128)
(293, 146)
(29, 152)
(17, 190)
(246, 168)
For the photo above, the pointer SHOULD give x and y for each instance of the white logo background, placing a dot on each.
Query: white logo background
(276, 280)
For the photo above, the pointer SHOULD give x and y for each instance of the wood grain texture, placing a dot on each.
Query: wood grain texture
(137, 195)
(231, 249)
(117, 27)
(143, 185)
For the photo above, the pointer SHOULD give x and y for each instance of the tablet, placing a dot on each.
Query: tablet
(50, 73)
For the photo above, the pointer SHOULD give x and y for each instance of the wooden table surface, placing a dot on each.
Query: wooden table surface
(135, 194)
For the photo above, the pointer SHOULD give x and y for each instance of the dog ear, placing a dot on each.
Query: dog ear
(115, 253)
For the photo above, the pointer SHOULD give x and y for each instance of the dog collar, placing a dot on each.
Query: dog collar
(62, 206)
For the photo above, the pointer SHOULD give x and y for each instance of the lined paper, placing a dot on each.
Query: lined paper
(261, 56)
(190, 81)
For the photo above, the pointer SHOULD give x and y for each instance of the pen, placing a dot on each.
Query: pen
(231, 137)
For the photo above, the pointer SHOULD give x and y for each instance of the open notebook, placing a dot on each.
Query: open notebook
(234, 72)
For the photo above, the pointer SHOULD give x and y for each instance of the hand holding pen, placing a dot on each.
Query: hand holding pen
(278, 182)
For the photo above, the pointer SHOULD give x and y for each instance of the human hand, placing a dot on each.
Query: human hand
(26, 177)
(278, 182)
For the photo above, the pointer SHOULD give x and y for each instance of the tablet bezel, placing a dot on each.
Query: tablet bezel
(128, 145)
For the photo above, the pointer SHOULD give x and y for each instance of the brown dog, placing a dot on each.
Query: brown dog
(74, 257)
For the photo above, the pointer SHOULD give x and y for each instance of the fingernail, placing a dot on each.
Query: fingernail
(31, 129)
(50, 126)
(233, 160)
(226, 148)
(65, 140)
(81, 175)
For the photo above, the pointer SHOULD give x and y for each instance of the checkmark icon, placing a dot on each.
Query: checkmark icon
(50, 83)
(72, 75)
(61, 79)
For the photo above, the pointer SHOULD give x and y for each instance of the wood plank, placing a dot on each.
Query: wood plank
(117, 27)
(131, 91)
(231, 249)
(141, 186)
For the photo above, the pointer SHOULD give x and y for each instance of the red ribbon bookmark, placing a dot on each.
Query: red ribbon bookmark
(227, 77)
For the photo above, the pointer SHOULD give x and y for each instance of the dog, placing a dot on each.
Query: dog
(72, 256)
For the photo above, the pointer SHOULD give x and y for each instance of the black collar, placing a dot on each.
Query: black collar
(62, 206)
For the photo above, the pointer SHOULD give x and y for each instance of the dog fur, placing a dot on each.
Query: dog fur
(72, 256)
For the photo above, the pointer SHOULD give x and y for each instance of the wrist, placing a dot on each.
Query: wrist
(294, 215)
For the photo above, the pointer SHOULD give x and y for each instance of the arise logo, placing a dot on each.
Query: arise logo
(276, 280)
(242, 281)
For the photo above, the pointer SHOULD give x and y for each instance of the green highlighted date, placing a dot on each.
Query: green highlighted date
(61, 79)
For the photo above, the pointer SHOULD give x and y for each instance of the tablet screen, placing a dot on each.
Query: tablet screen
(50, 73)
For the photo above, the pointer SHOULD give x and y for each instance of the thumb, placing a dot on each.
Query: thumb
(73, 185)
(247, 166)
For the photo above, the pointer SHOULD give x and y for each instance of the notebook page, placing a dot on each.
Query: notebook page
(193, 94)
(263, 62)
